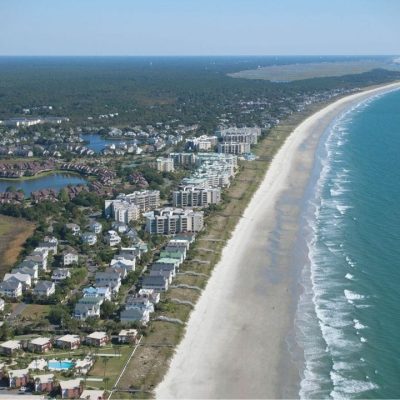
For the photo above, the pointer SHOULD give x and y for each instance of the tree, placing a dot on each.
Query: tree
(107, 309)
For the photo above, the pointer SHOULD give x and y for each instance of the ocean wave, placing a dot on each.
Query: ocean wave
(352, 295)
(349, 276)
(358, 325)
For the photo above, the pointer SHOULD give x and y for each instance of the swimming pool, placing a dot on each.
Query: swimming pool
(60, 365)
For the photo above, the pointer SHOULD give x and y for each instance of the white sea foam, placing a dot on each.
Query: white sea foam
(362, 339)
(353, 295)
(342, 209)
(350, 262)
(358, 325)
(328, 342)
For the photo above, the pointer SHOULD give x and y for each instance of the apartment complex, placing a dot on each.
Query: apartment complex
(127, 207)
(168, 221)
(237, 140)
(192, 196)
(165, 164)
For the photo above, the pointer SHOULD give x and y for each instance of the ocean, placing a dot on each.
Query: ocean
(348, 316)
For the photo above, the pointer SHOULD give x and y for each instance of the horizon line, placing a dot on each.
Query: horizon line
(200, 55)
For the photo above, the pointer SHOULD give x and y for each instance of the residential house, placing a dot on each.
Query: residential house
(60, 274)
(25, 279)
(95, 227)
(44, 383)
(41, 256)
(139, 302)
(18, 378)
(151, 294)
(165, 270)
(32, 271)
(89, 394)
(70, 257)
(97, 292)
(44, 289)
(89, 238)
(84, 311)
(71, 389)
(97, 339)
(135, 315)
(40, 345)
(129, 264)
(10, 347)
(177, 255)
(158, 282)
(112, 238)
(108, 278)
(49, 243)
(75, 228)
(128, 336)
(11, 288)
(68, 342)
(2, 305)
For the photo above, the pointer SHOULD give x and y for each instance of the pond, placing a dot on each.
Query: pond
(97, 143)
(54, 181)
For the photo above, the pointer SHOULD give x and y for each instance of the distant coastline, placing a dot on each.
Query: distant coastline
(248, 307)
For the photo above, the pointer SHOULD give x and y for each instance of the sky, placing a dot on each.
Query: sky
(199, 27)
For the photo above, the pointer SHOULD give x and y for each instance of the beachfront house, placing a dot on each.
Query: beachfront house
(2, 305)
(135, 315)
(167, 271)
(158, 283)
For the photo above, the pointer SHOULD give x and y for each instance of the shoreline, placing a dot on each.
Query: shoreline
(238, 336)
(41, 174)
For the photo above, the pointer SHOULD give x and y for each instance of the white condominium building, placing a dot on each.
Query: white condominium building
(234, 148)
(190, 196)
(165, 164)
(168, 221)
(127, 207)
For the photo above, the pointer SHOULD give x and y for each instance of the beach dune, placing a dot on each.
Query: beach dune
(239, 341)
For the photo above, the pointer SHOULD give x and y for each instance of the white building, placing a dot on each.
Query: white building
(112, 238)
(165, 164)
(89, 238)
(70, 257)
(168, 221)
(191, 196)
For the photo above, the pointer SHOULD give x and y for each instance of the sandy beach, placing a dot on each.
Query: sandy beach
(239, 341)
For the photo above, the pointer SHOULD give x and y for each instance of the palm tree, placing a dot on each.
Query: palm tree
(106, 380)
(105, 362)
